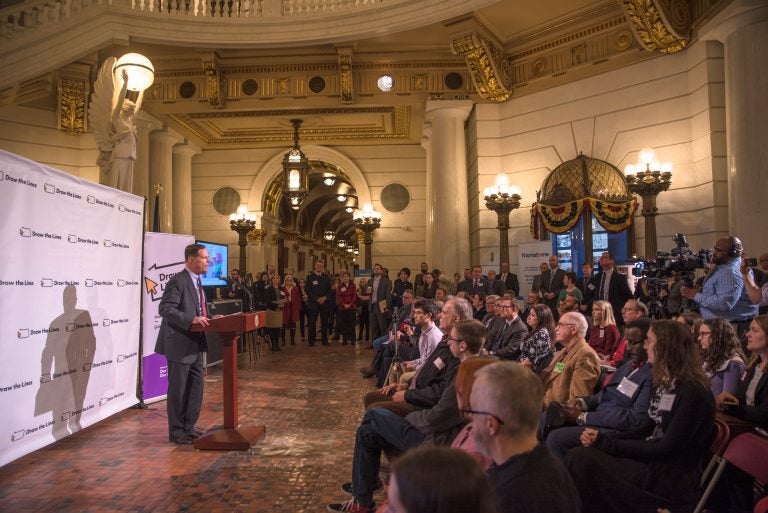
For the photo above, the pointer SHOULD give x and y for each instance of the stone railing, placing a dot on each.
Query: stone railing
(29, 14)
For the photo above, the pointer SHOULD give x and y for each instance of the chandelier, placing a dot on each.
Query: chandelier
(295, 171)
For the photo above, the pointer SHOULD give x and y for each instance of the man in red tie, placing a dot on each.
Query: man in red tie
(181, 307)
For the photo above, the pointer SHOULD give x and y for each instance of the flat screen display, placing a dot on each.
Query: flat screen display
(217, 264)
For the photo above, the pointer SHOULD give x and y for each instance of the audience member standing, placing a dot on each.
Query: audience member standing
(380, 290)
(291, 308)
(318, 288)
(552, 283)
(346, 303)
(509, 279)
(497, 286)
(476, 283)
(419, 280)
(401, 284)
(609, 285)
(364, 302)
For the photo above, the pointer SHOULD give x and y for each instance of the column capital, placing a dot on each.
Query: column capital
(735, 16)
(187, 148)
(457, 109)
(165, 135)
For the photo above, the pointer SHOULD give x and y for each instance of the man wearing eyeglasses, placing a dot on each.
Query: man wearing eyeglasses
(510, 335)
(506, 401)
(383, 429)
(575, 368)
(621, 406)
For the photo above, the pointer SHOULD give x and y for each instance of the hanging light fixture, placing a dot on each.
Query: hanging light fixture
(329, 178)
(342, 243)
(295, 171)
(329, 234)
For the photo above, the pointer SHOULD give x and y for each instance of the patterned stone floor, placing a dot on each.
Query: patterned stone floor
(309, 399)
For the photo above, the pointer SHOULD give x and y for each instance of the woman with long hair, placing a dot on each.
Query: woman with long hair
(750, 401)
(604, 335)
(438, 480)
(537, 348)
(291, 308)
(640, 472)
(722, 355)
(429, 288)
(274, 298)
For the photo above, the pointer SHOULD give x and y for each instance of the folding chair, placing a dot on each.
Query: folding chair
(716, 463)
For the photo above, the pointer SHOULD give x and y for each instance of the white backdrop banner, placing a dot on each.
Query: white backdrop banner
(532, 254)
(163, 257)
(69, 296)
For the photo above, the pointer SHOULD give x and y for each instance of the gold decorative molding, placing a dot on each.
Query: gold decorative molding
(662, 26)
(215, 82)
(257, 235)
(71, 105)
(488, 64)
(345, 73)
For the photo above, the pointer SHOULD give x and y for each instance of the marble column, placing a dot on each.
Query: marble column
(161, 172)
(145, 123)
(742, 27)
(182, 186)
(447, 233)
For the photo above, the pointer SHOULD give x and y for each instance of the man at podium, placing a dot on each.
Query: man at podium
(181, 307)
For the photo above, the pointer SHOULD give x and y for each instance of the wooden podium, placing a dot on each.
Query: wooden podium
(231, 437)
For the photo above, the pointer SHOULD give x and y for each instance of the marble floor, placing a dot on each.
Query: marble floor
(309, 399)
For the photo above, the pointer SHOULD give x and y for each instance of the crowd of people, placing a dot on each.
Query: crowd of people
(582, 398)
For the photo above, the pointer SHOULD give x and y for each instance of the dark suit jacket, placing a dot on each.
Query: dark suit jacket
(759, 412)
(383, 292)
(618, 292)
(468, 286)
(497, 287)
(508, 346)
(317, 286)
(178, 306)
(510, 283)
(557, 285)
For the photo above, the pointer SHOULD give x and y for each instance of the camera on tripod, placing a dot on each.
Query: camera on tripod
(680, 259)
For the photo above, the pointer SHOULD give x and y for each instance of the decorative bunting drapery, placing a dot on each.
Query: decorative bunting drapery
(613, 216)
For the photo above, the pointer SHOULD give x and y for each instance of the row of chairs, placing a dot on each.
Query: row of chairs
(747, 452)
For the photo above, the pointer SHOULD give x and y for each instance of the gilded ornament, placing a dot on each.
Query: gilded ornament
(71, 106)
(660, 25)
(489, 67)
(215, 83)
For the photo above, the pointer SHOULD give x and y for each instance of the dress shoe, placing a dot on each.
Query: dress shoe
(194, 435)
(181, 440)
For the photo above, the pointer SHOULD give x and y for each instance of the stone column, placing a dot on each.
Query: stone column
(161, 172)
(182, 186)
(742, 27)
(145, 123)
(447, 234)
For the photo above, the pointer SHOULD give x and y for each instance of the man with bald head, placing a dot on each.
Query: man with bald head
(575, 368)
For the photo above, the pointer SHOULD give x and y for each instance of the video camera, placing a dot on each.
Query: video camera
(680, 259)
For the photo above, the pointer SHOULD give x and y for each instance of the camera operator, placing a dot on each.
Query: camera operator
(723, 293)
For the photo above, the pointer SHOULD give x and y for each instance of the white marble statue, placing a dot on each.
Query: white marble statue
(111, 118)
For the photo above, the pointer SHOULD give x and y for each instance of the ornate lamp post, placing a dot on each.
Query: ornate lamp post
(295, 171)
(367, 221)
(502, 198)
(242, 222)
(647, 179)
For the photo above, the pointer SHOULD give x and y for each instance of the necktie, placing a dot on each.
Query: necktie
(551, 279)
(203, 307)
(602, 285)
(606, 283)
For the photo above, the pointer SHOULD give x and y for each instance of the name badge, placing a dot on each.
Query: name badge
(343, 289)
(314, 282)
(627, 387)
(602, 333)
(439, 363)
(591, 287)
(559, 367)
(665, 404)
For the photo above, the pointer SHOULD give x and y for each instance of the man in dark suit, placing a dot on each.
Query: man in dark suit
(508, 279)
(381, 290)
(552, 284)
(497, 286)
(317, 286)
(476, 283)
(511, 335)
(182, 307)
(609, 285)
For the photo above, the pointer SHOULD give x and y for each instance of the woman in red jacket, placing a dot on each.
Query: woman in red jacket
(346, 304)
(291, 307)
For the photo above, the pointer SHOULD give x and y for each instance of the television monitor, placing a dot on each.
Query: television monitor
(218, 255)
